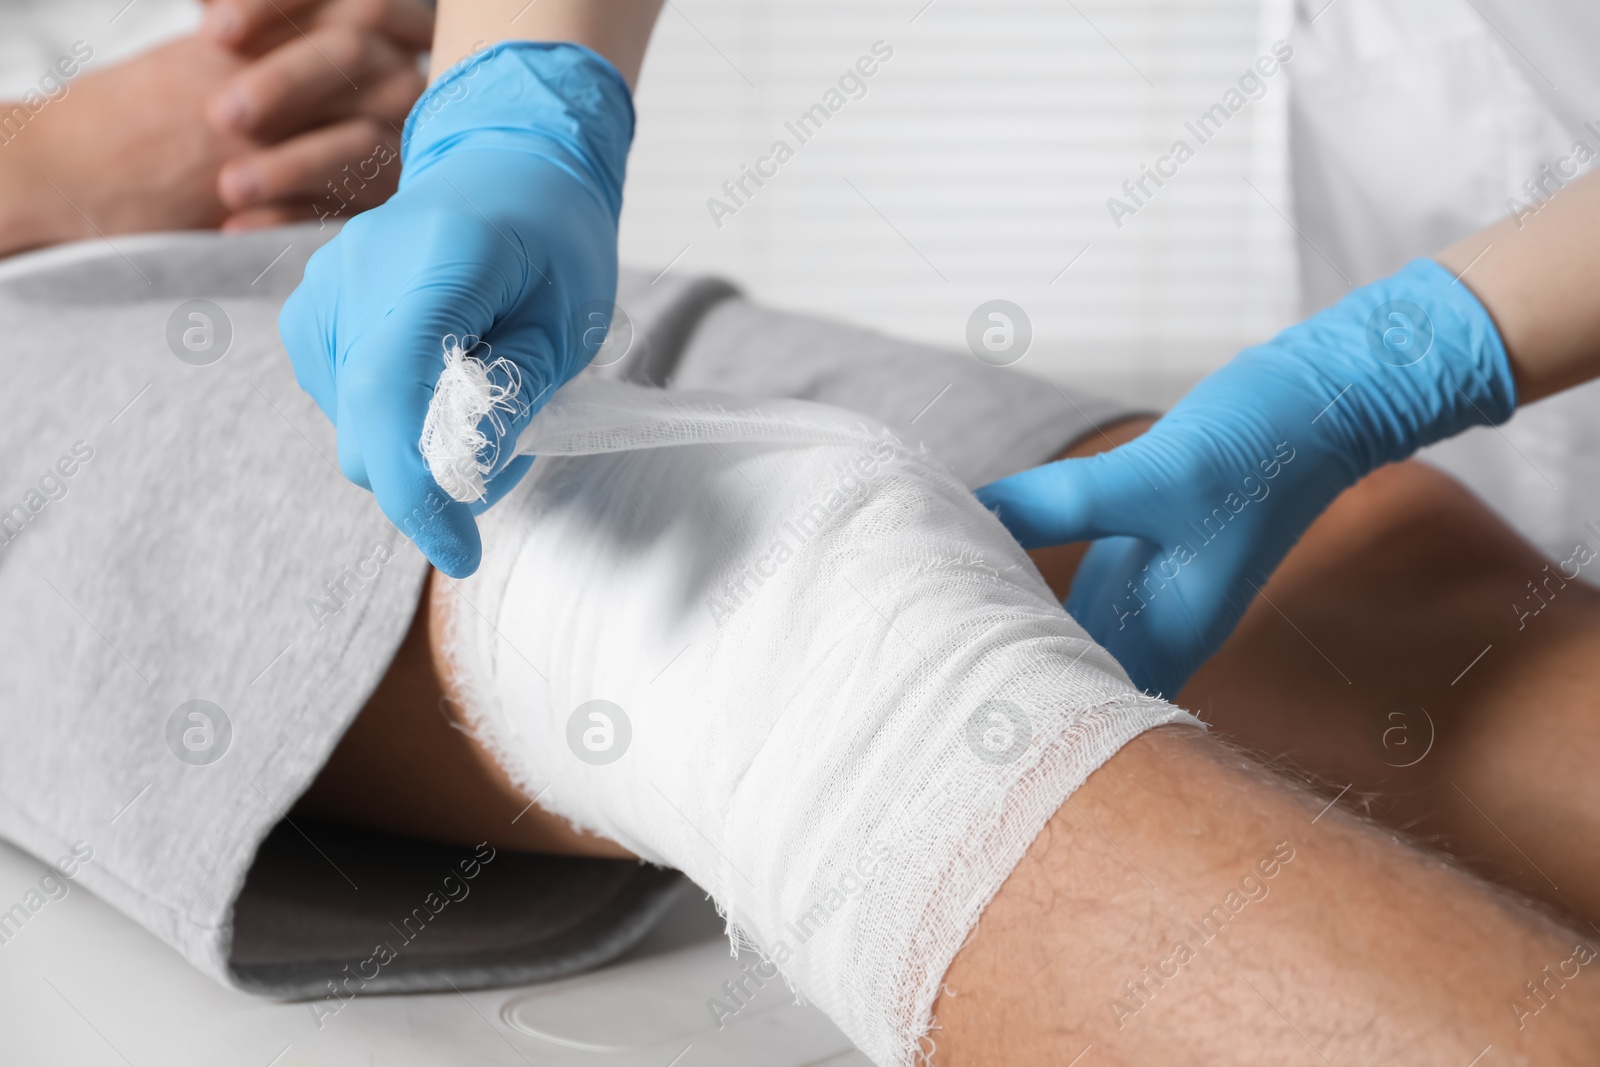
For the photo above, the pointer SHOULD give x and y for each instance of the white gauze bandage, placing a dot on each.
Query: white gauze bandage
(767, 644)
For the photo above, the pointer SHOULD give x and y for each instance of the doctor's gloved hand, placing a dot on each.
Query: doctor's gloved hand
(1193, 516)
(503, 229)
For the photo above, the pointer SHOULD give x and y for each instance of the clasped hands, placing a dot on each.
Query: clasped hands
(274, 111)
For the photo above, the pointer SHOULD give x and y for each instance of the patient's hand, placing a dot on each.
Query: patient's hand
(329, 89)
(270, 122)
(126, 149)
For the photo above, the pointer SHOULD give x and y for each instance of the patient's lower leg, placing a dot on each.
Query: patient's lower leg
(1402, 657)
(1187, 907)
(1362, 916)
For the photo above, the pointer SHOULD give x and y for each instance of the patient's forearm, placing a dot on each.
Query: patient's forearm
(617, 29)
(1539, 277)
(32, 214)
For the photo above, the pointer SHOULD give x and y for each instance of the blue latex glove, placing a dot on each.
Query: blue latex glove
(1196, 513)
(504, 227)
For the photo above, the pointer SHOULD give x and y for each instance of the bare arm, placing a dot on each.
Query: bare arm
(1539, 277)
(617, 29)
(28, 219)
(139, 120)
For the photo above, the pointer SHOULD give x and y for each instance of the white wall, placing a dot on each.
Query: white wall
(978, 165)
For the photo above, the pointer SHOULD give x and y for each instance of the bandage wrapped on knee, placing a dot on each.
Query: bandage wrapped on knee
(768, 645)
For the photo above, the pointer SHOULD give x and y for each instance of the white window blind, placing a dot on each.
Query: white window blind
(978, 165)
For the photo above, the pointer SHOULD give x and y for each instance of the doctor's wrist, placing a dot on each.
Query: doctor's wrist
(560, 100)
(618, 30)
(1399, 364)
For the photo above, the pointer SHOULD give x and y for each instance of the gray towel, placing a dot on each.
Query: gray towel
(177, 671)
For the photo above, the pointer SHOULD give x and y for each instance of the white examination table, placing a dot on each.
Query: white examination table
(82, 986)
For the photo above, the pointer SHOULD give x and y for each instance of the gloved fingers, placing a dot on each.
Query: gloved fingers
(1164, 611)
(346, 167)
(352, 462)
(1133, 600)
(501, 484)
(384, 390)
(530, 350)
(1077, 500)
(305, 326)
(1220, 587)
(1100, 597)
(381, 408)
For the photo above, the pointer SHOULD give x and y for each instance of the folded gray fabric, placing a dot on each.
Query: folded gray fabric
(187, 557)
(199, 604)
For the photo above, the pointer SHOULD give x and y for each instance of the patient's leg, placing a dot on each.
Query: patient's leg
(1391, 662)
(1359, 668)
(1188, 907)
(408, 764)
(1397, 588)
(1374, 951)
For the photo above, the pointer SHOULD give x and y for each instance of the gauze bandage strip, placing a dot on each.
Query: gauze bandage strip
(768, 645)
